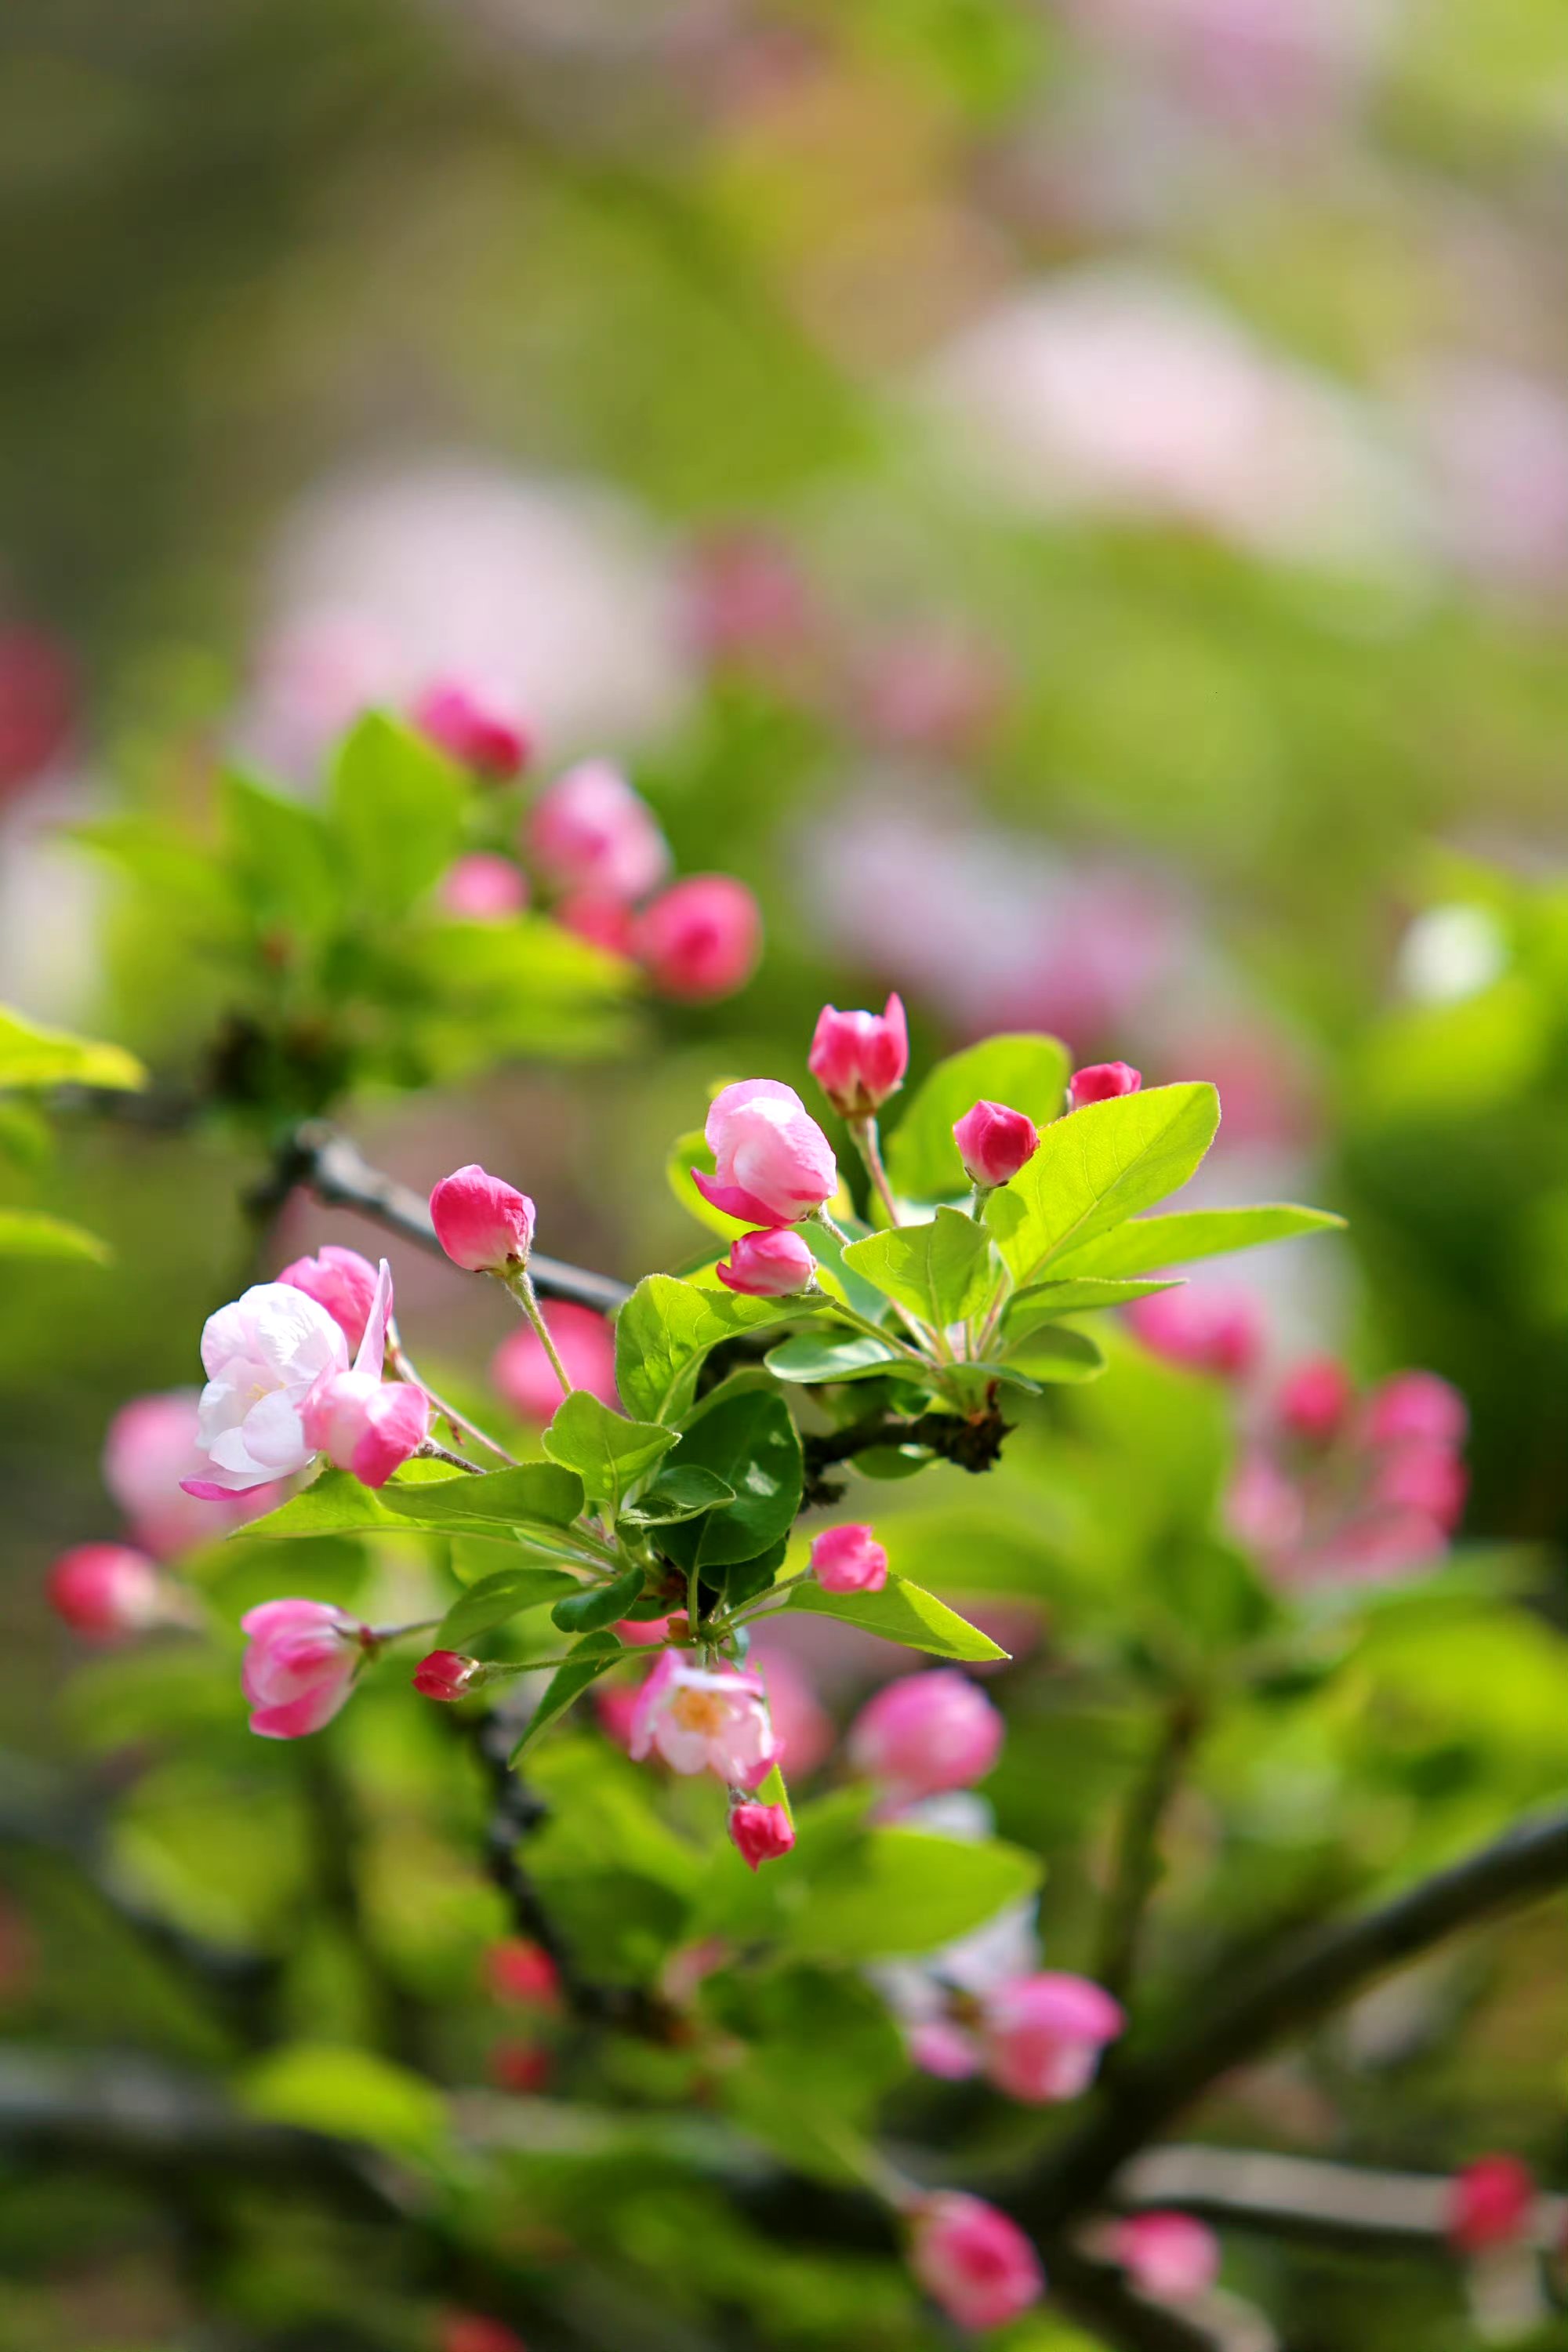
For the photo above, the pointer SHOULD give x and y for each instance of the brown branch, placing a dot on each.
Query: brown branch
(973, 1442)
(1304, 2198)
(1142, 2096)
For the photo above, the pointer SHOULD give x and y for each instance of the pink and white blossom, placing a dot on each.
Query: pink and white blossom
(300, 1666)
(1042, 2035)
(701, 1718)
(858, 1059)
(769, 1264)
(772, 1163)
(262, 1356)
(701, 939)
(848, 1558)
(364, 1424)
(341, 1281)
(973, 2260)
(484, 1225)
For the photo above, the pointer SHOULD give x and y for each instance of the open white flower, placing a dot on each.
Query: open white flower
(262, 1356)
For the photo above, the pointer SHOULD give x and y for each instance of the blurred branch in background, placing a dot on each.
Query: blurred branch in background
(1343, 2205)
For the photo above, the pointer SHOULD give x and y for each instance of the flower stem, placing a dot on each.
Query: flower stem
(460, 1425)
(863, 1133)
(522, 1290)
(433, 1452)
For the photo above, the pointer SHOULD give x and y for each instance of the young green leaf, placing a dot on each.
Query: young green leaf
(32, 1056)
(536, 1493)
(1026, 1073)
(590, 1607)
(1027, 1309)
(30, 1234)
(1152, 1242)
(496, 1599)
(1097, 1168)
(901, 1613)
(682, 1491)
(941, 1270)
(896, 1891)
(607, 1451)
(748, 1439)
(594, 1655)
(284, 857)
(397, 807)
(666, 1328)
(815, 1356)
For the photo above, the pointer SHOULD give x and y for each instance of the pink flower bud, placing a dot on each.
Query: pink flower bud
(701, 939)
(1418, 1407)
(772, 1164)
(586, 1344)
(364, 1426)
(1168, 2256)
(1315, 1399)
(445, 1675)
(1043, 2035)
(151, 1447)
(858, 1059)
(484, 1227)
(1210, 1329)
(470, 2331)
(927, 1732)
(995, 1142)
(1424, 1479)
(300, 1666)
(760, 1832)
(973, 2261)
(522, 1972)
(483, 888)
(698, 1718)
(524, 2068)
(1489, 2204)
(1264, 1507)
(105, 1589)
(340, 1281)
(476, 727)
(849, 1560)
(769, 1265)
(646, 1633)
(1103, 1082)
(603, 922)
(590, 832)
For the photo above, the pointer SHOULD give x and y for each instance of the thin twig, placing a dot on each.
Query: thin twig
(1136, 1870)
(973, 1442)
(1304, 2198)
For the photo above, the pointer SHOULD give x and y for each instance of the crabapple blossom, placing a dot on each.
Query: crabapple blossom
(476, 726)
(522, 1972)
(105, 1589)
(1169, 2257)
(483, 887)
(445, 1675)
(973, 2261)
(300, 1666)
(262, 1355)
(586, 1344)
(858, 1059)
(1489, 2204)
(925, 1733)
(604, 922)
(339, 1280)
(1416, 1408)
(760, 1832)
(772, 1162)
(993, 1143)
(364, 1426)
(1216, 1330)
(702, 1719)
(1103, 1082)
(589, 831)
(1426, 1479)
(484, 1227)
(1314, 1400)
(150, 1448)
(848, 1558)
(699, 939)
(1042, 2035)
(770, 1264)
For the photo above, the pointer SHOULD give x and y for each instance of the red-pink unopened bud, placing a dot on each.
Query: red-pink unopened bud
(445, 1675)
(340, 1281)
(1215, 1329)
(300, 1666)
(772, 1163)
(471, 2331)
(701, 939)
(522, 2067)
(105, 1589)
(1103, 1082)
(995, 1142)
(483, 887)
(1043, 2035)
(1424, 1479)
(925, 1733)
(1489, 2204)
(590, 832)
(769, 1265)
(858, 1059)
(476, 727)
(364, 1426)
(1315, 1399)
(484, 1227)
(522, 1972)
(973, 2261)
(1419, 1408)
(760, 1832)
(586, 1344)
(849, 1560)
(1169, 2257)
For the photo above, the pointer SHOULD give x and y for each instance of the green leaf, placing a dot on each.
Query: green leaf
(536, 1493)
(834, 1272)
(1056, 1353)
(682, 1491)
(284, 859)
(666, 1328)
(32, 1056)
(748, 1439)
(901, 1612)
(496, 1599)
(1098, 1167)
(591, 1607)
(1152, 1241)
(397, 805)
(26, 1138)
(896, 1891)
(29, 1233)
(593, 1655)
(609, 1453)
(1027, 1309)
(942, 1271)
(349, 2094)
(1028, 1073)
(811, 1357)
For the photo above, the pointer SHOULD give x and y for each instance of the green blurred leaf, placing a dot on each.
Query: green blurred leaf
(348, 2093)
(1152, 1242)
(896, 1892)
(30, 1234)
(902, 1612)
(1098, 1167)
(1026, 1073)
(942, 1271)
(495, 1599)
(1027, 1309)
(284, 858)
(1054, 1353)
(397, 806)
(748, 1439)
(32, 1056)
